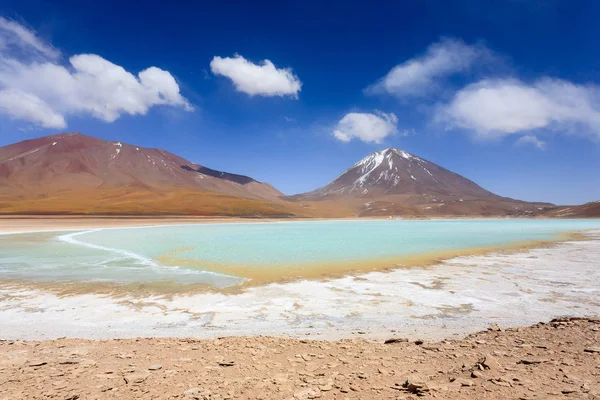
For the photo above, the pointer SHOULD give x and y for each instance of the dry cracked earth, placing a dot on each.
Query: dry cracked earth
(560, 359)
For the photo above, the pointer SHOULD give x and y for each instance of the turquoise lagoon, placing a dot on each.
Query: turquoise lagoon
(187, 254)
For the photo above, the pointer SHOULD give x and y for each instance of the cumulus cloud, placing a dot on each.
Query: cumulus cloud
(495, 107)
(27, 106)
(44, 92)
(531, 140)
(421, 75)
(370, 128)
(498, 107)
(262, 79)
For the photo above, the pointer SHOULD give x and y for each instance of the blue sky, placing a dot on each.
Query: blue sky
(506, 93)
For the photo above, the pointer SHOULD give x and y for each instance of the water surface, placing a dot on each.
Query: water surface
(206, 253)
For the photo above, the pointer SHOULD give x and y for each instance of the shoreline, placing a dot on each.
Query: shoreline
(58, 223)
(38, 224)
(252, 275)
(513, 288)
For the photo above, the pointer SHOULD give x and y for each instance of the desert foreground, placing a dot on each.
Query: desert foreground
(560, 359)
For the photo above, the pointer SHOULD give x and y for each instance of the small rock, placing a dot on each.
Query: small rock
(395, 340)
(530, 362)
(465, 382)
(592, 350)
(419, 342)
(494, 327)
(227, 363)
(476, 374)
(70, 361)
(37, 363)
(307, 393)
(500, 382)
(325, 388)
(155, 367)
(490, 362)
(417, 388)
(135, 378)
(416, 385)
(568, 391)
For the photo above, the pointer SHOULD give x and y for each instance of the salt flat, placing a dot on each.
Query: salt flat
(452, 298)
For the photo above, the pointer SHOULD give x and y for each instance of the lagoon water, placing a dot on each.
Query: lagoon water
(188, 254)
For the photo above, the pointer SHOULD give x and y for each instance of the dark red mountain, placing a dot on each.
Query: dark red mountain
(71, 161)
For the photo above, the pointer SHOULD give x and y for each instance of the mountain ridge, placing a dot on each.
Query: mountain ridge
(75, 173)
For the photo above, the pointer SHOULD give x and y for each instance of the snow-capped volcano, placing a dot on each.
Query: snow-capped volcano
(393, 171)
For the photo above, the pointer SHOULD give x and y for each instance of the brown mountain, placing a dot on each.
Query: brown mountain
(71, 172)
(587, 210)
(78, 174)
(392, 181)
(76, 161)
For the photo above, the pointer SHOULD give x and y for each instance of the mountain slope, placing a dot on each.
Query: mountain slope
(587, 210)
(74, 173)
(74, 161)
(78, 174)
(394, 182)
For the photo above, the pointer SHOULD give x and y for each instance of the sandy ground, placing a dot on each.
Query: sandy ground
(545, 361)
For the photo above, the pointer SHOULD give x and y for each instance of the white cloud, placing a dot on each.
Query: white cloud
(370, 128)
(44, 92)
(532, 140)
(500, 107)
(420, 76)
(257, 79)
(27, 106)
(13, 34)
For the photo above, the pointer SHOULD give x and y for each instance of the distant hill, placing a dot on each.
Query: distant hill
(76, 161)
(71, 172)
(588, 210)
(395, 182)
